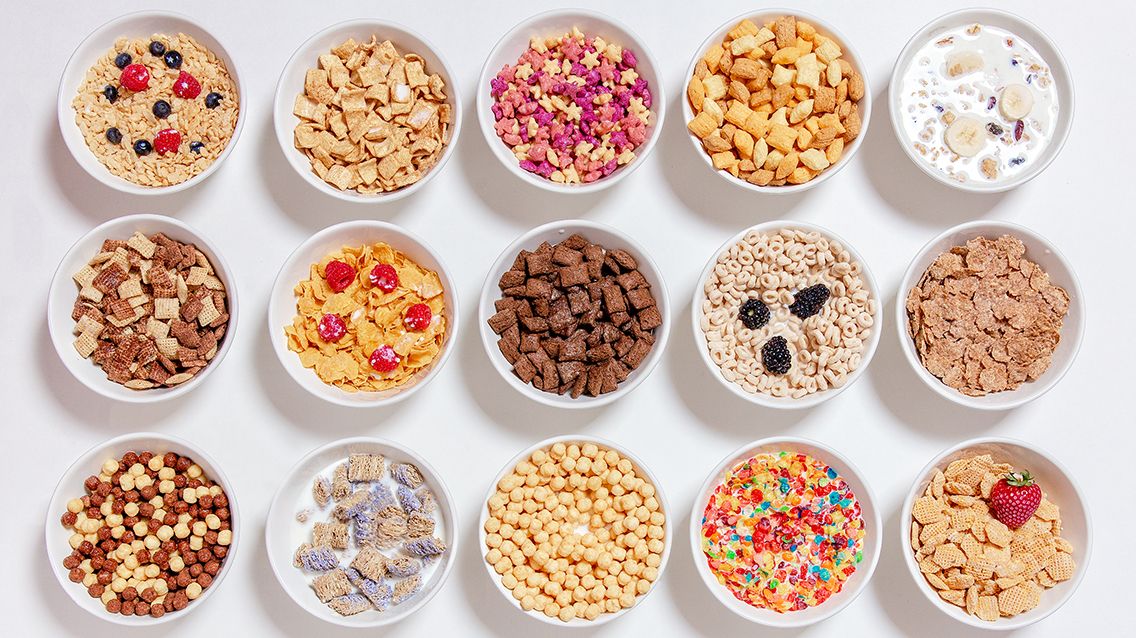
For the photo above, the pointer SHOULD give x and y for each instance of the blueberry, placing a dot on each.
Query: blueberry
(111, 93)
(157, 48)
(114, 136)
(172, 59)
(122, 59)
(196, 147)
(213, 100)
(161, 109)
(142, 147)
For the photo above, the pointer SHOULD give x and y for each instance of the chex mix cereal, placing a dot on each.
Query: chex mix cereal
(572, 108)
(368, 318)
(783, 532)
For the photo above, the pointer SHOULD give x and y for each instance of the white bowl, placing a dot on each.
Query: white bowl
(849, 53)
(1038, 250)
(282, 305)
(71, 486)
(554, 232)
(640, 469)
(283, 534)
(1018, 26)
(868, 511)
(766, 400)
(1059, 487)
(137, 24)
(306, 57)
(64, 291)
(555, 23)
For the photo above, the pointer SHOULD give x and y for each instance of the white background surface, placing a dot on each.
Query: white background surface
(253, 419)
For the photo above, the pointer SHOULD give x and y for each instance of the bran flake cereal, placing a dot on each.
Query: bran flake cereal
(573, 108)
(796, 285)
(975, 561)
(371, 321)
(783, 532)
(575, 531)
(371, 119)
(775, 104)
(984, 318)
(205, 125)
(366, 553)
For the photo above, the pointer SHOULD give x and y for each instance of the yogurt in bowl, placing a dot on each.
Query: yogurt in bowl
(981, 100)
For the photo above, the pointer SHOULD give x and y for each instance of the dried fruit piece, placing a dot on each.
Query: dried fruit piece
(338, 275)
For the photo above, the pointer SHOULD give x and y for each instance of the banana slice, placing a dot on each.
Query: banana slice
(1016, 101)
(966, 136)
(960, 63)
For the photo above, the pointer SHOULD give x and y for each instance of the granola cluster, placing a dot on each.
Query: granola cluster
(984, 318)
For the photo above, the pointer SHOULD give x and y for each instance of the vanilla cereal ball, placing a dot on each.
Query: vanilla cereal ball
(575, 532)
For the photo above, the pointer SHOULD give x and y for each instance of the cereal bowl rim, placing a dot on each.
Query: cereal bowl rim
(849, 51)
(75, 472)
(1058, 66)
(74, 71)
(449, 513)
(817, 450)
(1081, 505)
(668, 528)
(59, 319)
(486, 121)
(284, 121)
(306, 378)
(1027, 391)
(490, 293)
(762, 399)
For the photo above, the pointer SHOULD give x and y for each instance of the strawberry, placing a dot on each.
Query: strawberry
(1015, 498)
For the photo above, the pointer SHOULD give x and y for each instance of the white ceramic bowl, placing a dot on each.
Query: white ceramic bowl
(1038, 250)
(849, 53)
(554, 232)
(283, 534)
(306, 57)
(282, 305)
(766, 400)
(137, 24)
(868, 511)
(1059, 487)
(1014, 24)
(640, 469)
(71, 486)
(555, 23)
(64, 291)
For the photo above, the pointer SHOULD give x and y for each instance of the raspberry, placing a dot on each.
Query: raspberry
(338, 275)
(167, 141)
(135, 77)
(417, 317)
(186, 86)
(384, 277)
(385, 359)
(332, 328)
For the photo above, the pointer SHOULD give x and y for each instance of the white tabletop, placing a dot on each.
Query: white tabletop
(255, 421)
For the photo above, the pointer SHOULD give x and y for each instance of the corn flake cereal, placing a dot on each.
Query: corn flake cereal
(361, 337)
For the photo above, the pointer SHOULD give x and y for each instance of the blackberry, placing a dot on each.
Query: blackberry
(753, 314)
(775, 356)
(809, 301)
(157, 48)
(994, 129)
(122, 59)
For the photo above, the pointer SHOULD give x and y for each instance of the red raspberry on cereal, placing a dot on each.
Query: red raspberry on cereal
(186, 86)
(135, 77)
(332, 328)
(167, 141)
(338, 275)
(384, 277)
(417, 317)
(385, 359)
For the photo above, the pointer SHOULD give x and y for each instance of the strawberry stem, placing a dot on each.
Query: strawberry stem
(1019, 479)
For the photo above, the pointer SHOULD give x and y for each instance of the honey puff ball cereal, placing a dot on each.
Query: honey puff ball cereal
(576, 530)
(775, 103)
(368, 318)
